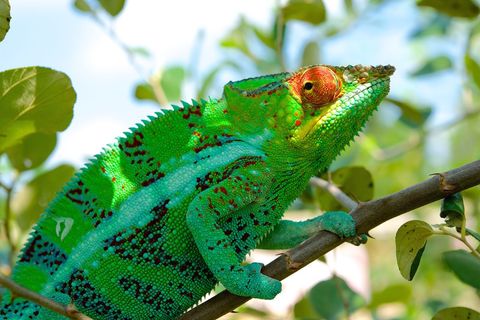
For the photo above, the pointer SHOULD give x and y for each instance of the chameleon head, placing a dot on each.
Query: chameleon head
(314, 112)
(335, 102)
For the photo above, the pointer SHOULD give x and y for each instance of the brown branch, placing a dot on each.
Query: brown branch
(22, 292)
(367, 215)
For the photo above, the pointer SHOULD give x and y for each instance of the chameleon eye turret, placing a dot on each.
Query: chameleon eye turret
(316, 86)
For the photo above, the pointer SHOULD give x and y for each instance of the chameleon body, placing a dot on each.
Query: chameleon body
(155, 221)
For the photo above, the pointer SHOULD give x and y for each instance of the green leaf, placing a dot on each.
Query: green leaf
(265, 37)
(237, 38)
(140, 51)
(31, 200)
(453, 210)
(33, 100)
(4, 18)
(465, 266)
(474, 234)
(171, 82)
(330, 298)
(113, 7)
(412, 115)
(433, 65)
(32, 151)
(400, 292)
(144, 91)
(303, 309)
(453, 8)
(356, 182)
(82, 6)
(311, 54)
(473, 69)
(410, 241)
(311, 11)
(456, 313)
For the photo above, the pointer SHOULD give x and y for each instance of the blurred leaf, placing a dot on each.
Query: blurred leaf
(437, 25)
(139, 51)
(82, 5)
(474, 234)
(31, 200)
(311, 54)
(210, 77)
(266, 38)
(465, 266)
(433, 65)
(412, 115)
(32, 100)
(400, 292)
(171, 82)
(32, 151)
(113, 7)
(237, 38)
(311, 11)
(144, 91)
(330, 298)
(348, 4)
(4, 18)
(453, 8)
(473, 69)
(303, 309)
(453, 210)
(456, 313)
(354, 181)
(410, 241)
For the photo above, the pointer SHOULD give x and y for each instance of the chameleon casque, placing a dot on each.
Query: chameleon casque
(155, 221)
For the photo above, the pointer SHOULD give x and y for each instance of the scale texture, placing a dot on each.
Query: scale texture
(157, 219)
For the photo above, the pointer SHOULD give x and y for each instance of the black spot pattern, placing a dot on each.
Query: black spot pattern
(43, 253)
(86, 297)
(149, 295)
(19, 310)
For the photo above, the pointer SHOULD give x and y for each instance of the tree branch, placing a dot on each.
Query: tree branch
(22, 292)
(367, 216)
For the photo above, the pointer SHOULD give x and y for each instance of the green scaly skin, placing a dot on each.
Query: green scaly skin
(154, 222)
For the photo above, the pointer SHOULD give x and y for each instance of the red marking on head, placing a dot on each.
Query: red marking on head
(316, 85)
(298, 122)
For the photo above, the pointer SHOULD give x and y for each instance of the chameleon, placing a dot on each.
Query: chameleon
(156, 220)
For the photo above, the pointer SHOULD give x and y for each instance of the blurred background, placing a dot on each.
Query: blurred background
(128, 59)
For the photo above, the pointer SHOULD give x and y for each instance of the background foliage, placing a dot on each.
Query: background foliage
(402, 144)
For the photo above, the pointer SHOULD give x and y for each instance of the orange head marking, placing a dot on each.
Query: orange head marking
(316, 86)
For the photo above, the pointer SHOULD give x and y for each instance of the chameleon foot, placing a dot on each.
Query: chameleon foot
(252, 283)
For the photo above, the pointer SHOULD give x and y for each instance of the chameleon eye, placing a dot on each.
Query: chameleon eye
(307, 86)
(316, 86)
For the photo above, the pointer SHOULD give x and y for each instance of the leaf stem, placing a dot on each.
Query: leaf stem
(444, 231)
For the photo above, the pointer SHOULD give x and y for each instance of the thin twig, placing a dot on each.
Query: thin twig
(367, 216)
(335, 191)
(22, 292)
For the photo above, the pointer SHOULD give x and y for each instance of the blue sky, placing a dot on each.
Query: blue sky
(50, 33)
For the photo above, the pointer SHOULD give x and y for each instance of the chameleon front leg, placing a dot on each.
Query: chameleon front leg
(221, 201)
(288, 234)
